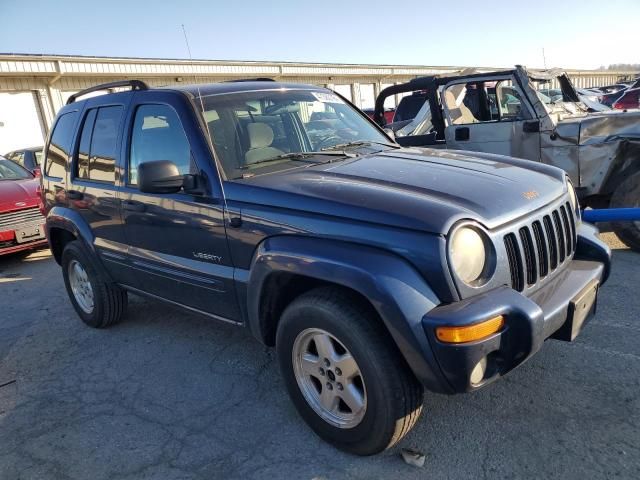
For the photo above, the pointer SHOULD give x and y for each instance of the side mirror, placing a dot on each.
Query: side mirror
(37, 172)
(159, 176)
(532, 126)
(390, 133)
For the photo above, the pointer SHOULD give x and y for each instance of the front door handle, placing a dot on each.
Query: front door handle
(133, 206)
(74, 195)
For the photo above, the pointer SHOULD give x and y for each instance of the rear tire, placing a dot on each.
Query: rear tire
(627, 195)
(390, 396)
(99, 303)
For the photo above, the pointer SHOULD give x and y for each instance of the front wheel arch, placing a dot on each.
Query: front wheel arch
(282, 288)
(395, 290)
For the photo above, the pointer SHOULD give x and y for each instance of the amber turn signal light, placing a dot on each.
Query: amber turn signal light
(470, 333)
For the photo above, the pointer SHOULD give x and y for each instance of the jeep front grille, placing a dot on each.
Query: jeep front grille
(541, 247)
(20, 218)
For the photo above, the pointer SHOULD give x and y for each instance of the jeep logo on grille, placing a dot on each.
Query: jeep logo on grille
(530, 195)
(21, 204)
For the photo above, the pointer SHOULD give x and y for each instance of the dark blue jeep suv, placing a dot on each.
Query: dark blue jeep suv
(375, 270)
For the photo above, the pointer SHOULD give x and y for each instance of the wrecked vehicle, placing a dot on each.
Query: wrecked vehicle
(503, 112)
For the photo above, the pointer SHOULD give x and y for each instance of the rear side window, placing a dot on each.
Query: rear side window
(98, 144)
(60, 145)
(158, 135)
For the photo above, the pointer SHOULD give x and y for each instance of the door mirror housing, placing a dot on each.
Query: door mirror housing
(159, 176)
(532, 126)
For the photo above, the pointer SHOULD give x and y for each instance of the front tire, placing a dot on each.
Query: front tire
(344, 374)
(627, 195)
(99, 303)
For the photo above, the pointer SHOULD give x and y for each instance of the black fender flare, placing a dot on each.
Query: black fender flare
(71, 221)
(66, 219)
(398, 293)
(590, 247)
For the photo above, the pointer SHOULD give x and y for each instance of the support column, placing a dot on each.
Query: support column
(55, 97)
(355, 94)
(45, 110)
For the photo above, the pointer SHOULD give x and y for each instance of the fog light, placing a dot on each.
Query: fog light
(477, 374)
(470, 333)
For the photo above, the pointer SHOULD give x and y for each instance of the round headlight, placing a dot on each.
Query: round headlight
(573, 198)
(468, 254)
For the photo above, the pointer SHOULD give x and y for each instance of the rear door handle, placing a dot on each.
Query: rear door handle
(74, 195)
(133, 206)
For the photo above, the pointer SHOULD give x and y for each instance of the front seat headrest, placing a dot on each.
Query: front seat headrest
(260, 135)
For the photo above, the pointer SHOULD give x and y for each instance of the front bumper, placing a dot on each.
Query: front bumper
(529, 321)
(9, 244)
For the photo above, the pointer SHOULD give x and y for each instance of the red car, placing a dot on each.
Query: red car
(388, 113)
(629, 99)
(21, 223)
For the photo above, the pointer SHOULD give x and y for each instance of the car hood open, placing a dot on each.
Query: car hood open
(421, 189)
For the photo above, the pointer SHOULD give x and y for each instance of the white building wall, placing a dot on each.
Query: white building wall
(20, 122)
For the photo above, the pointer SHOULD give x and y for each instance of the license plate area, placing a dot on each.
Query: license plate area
(580, 310)
(29, 234)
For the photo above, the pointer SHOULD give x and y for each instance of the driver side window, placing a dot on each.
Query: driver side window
(485, 101)
(466, 103)
(158, 135)
(508, 100)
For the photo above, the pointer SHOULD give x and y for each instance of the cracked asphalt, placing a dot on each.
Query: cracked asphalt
(170, 395)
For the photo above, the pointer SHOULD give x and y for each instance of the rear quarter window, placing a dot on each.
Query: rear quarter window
(57, 156)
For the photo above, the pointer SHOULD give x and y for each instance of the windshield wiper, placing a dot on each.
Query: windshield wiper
(303, 155)
(361, 143)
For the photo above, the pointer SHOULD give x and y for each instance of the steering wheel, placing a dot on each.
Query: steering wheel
(329, 142)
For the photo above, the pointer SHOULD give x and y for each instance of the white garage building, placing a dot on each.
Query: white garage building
(34, 87)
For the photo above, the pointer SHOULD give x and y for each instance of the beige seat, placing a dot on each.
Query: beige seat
(260, 138)
(460, 114)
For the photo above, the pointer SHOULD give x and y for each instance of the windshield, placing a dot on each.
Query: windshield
(261, 132)
(11, 171)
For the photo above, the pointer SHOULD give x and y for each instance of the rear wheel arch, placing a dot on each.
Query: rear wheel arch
(58, 240)
(64, 225)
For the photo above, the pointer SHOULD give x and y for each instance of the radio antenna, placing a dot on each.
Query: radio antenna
(206, 125)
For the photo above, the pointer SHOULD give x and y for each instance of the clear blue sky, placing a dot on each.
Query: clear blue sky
(574, 33)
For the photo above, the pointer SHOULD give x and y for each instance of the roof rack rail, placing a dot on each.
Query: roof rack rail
(258, 79)
(134, 84)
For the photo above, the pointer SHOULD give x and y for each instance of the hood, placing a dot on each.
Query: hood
(15, 193)
(420, 189)
(600, 127)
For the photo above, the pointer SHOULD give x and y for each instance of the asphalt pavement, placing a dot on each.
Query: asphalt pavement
(171, 395)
